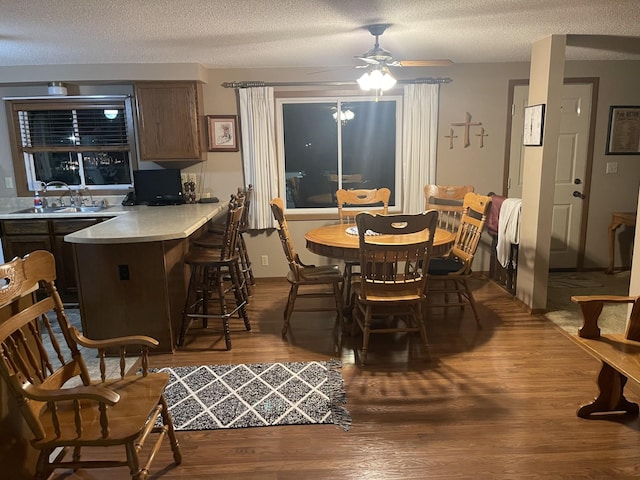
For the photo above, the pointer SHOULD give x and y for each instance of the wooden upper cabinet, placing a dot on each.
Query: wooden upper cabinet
(170, 121)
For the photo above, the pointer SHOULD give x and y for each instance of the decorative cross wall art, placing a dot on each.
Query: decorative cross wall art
(467, 124)
(451, 136)
(481, 135)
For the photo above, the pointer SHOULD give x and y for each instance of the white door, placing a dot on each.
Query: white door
(570, 169)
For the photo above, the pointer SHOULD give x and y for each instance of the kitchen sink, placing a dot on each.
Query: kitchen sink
(79, 209)
(61, 210)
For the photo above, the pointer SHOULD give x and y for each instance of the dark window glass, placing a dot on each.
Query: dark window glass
(357, 138)
(106, 168)
(311, 150)
(369, 144)
(59, 166)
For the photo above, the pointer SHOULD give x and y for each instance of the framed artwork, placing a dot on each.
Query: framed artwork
(222, 133)
(623, 135)
(533, 125)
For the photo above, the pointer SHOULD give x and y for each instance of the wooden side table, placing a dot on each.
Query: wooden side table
(618, 219)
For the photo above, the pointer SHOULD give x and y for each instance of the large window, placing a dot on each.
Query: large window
(85, 142)
(332, 143)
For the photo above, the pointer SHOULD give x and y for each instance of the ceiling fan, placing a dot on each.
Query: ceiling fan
(378, 56)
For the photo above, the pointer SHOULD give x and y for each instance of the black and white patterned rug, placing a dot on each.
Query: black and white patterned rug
(256, 395)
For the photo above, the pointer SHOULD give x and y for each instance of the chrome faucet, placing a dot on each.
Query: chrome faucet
(57, 183)
(87, 192)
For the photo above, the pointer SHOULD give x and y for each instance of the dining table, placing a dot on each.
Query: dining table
(340, 241)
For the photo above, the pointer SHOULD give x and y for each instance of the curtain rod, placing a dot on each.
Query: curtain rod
(257, 83)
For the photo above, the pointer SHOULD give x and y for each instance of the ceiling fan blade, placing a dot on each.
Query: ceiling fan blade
(322, 71)
(423, 63)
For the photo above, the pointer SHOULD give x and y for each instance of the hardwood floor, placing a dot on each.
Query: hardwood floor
(495, 403)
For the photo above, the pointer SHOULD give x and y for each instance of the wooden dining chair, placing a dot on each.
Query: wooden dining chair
(62, 405)
(347, 181)
(393, 274)
(350, 204)
(307, 277)
(449, 276)
(447, 200)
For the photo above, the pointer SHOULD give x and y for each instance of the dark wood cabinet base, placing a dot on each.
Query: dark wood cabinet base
(132, 289)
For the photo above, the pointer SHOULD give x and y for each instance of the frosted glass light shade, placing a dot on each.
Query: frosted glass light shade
(377, 79)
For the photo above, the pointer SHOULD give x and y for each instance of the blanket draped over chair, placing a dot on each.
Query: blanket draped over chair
(508, 229)
(503, 225)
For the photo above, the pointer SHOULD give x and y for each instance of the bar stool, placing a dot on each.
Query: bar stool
(215, 273)
(245, 261)
(214, 238)
(215, 234)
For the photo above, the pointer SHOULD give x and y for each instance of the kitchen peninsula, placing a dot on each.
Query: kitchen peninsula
(130, 271)
(131, 274)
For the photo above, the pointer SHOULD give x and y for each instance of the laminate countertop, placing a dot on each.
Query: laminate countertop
(136, 224)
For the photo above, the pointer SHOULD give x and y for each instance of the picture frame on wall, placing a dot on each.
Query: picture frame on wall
(533, 125)
(222, 133)
(623, 134)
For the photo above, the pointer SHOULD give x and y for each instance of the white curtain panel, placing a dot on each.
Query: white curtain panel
(419, 142)
(257, 122)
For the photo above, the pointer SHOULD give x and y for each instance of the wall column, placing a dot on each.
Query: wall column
(546, 81)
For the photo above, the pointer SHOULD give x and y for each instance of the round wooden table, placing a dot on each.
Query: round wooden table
(333, 241)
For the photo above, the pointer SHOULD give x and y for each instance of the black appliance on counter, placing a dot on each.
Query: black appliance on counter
(158, 187)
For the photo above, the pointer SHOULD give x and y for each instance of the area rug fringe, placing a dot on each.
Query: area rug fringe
(337, 395)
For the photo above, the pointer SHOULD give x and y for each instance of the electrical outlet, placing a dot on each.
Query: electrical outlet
(8, 182)
(612, 167)
(265, 260)
(123, 272)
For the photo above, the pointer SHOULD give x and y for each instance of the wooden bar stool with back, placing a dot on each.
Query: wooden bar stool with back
(216, 273)
(215, 235)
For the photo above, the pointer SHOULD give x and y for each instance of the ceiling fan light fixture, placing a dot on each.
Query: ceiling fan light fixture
(379, 79)
(56, 88)
(111, 114)
(344, 116)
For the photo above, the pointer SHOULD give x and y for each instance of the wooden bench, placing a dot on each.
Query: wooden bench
(619, 354)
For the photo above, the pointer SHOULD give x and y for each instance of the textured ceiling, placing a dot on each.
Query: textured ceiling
(308, 33)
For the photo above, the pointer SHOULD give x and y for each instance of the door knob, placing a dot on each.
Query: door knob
(577, 194)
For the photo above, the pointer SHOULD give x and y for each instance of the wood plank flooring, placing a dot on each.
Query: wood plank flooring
(495, 403)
